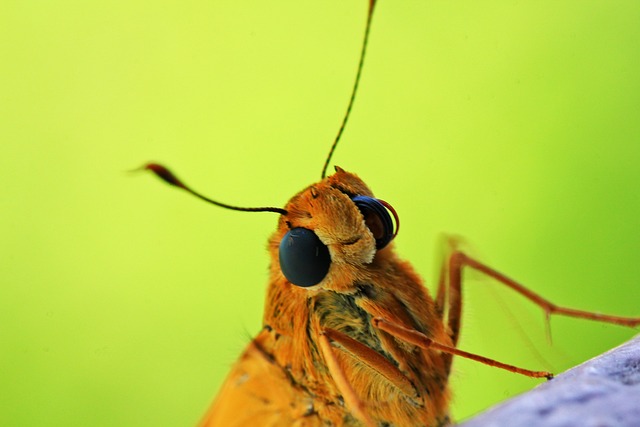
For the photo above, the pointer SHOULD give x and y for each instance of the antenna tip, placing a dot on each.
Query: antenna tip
(161, 172)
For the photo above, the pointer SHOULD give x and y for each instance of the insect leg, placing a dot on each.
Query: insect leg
(442, 292)
(421, 340)
(374, 360)
(350, 398)
(458, 260)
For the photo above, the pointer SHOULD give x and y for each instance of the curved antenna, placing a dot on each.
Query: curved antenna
(372, 4)
(167, 176)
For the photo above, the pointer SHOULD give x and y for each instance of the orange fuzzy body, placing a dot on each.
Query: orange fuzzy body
(282, 378)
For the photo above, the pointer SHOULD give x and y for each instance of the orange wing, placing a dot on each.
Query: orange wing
(258, 392)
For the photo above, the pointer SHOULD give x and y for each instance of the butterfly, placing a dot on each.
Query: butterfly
(351, 336)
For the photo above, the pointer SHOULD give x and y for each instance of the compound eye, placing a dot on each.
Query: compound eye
(377, 218)
(304, 259)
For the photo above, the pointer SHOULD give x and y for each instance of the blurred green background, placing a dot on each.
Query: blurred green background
(515, 124)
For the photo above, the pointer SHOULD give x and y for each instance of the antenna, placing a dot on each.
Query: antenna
(372, 4)
(167, 176)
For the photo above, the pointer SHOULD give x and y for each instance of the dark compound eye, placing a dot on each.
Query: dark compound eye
(377, 218)
(304, 259)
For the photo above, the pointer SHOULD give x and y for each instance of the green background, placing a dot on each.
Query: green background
(123, 302)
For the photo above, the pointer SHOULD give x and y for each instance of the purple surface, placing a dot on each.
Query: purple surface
(602, 392)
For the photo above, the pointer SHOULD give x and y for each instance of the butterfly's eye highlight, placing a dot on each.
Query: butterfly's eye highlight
(377, 218)
(304, 259)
